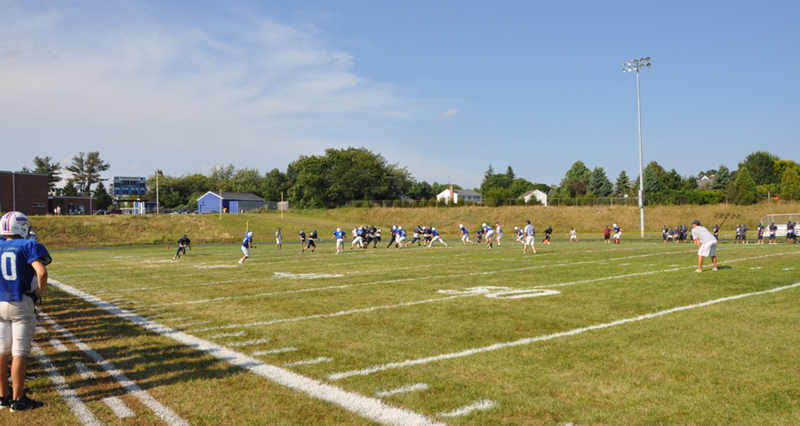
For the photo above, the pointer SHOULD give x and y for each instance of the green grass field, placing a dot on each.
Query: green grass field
(581, 334)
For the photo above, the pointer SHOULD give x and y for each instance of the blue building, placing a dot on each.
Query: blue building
(232, 202)
(125, 186)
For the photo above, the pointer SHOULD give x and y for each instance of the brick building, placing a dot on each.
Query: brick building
(23, 192)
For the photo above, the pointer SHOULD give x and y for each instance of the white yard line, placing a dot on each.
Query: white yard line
(234, 334)
(416, 387)
(118, 407)
(57, 345)
(78, 408)
(369, 408)
(84, 371)
(529, 340)
(247, 343)
(319, 360)
(428, 277)
(482, 405)
(160, 410)
(274, 351)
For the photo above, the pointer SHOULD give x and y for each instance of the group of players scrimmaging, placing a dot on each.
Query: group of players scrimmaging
(428, 236)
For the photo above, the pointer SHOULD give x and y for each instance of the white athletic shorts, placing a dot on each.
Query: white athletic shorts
(489, 233)
(708, 249)
(400, 240)
(358, 240)
(500, 235)
(529, 240)
(573, 237)
(617, 235)
(246, 251)
(17, 324)
(437, 238)
(416, 236)
(339, 244)
(279, 240)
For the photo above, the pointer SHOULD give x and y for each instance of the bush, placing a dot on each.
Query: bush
(396, 203)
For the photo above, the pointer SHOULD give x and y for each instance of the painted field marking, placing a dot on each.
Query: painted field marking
(367, 407)
(176, 319)
(118, 407)
(481, 405)
(40, 330)
(247, 343)
(416, 387)
(189, 324)
(274, 351)
(57, 345)
(214, 266)
(291, 276)
(343, 286)
(529, 340)
(309, 361)
(78, 408)
(788, 269)
(234, 334)
(160, 410)
(499, 293)
(84, 371)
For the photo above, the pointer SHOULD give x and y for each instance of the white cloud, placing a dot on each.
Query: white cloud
(450, 113)
(144, 93)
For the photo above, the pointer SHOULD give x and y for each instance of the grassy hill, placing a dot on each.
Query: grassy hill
(106, 231)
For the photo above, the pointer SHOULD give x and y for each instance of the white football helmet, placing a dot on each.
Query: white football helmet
(338, 229)
(15, 223)
(484, 224)
(516, 228)
(433, 229)
(250, 234)
(461, 226)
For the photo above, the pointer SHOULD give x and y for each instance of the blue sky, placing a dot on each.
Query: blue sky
(445, 88)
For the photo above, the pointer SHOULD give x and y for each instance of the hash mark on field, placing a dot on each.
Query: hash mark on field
(214, 266)
(176, 319)
(482, 405)
(309, 361)
(757, 267)
(58, 346)
(292, 276)
(405, 389)
(248, 343)
(624, 264)
(787, 269)
(41, 330)
(118, 407)
(221, 335)
(84, 371)
(189, 324)
(274, 351)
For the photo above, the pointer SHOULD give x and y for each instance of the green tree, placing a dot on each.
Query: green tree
(520, 186)
(273, 184)
(489, 173)
(579, 171)
(722, 178)
(790, 183)
(577, 179)
(85, 169)
(510, 173)
(743, 190)
(246, 181)
(45, 167)
(496, 196)
(104, 199)
(599, 183)
(761, 166)
(70, 190)
(650, 181)
(421, 191)
(781, 166)
(623, 185)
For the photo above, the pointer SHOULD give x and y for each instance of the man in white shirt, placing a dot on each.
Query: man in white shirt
(706, 245)
(530, 237)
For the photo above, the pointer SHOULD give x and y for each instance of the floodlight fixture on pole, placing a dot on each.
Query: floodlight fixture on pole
(630, 66)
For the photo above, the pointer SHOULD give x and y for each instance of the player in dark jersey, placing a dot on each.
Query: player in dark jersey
(772, 230)
(183, 242)
(547, 233)
(716, 232)
(302, 239)
(312, 241)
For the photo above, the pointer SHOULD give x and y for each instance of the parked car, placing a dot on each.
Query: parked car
(114, 211)
(100, 212)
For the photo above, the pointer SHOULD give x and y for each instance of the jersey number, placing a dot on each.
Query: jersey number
(8, 263)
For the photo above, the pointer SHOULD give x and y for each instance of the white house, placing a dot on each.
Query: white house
(540, 196)
(459, 194)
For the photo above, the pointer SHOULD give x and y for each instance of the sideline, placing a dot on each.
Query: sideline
(367, 407)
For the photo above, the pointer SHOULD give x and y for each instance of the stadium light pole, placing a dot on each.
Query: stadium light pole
(630, 66)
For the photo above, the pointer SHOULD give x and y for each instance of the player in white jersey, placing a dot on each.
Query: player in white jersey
(706, 245)
(279, 240)
(499, 232)
(573, 235)
(530, 237)
(464, 234)
(488, 233)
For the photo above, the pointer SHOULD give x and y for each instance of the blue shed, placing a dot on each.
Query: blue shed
(234, 202)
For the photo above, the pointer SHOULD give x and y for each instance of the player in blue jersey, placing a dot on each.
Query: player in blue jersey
(520, 235)
(790, 235)
(183, 242)
(772, 230)
(401, 236)
(617, 233)
(488, 232)
(479, 234)
(23, 262)
(339, 237)
(247, 244)
(760, 233)
(464, 235)
(417, 239)
(435, 237)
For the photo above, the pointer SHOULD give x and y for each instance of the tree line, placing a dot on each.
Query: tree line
(357, 176)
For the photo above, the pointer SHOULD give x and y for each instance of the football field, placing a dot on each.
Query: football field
(577, 334)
